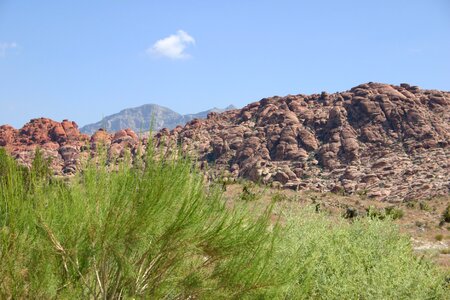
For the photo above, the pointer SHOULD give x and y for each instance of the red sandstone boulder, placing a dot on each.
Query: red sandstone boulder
(61, 142)
(7, 135)
(100, 138)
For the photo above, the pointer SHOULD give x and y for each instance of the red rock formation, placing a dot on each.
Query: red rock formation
(62, 142)
(7, 135)
(388, 142)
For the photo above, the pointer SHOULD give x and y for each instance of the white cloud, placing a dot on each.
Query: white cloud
(173, 46)
(4, 47)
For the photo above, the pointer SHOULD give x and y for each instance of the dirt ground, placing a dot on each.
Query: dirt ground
(421, 220)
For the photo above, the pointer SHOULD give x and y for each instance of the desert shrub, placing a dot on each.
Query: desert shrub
(248, 193)
(132, 232)
(439, 237)
(365, 259)
(41, 166)
(156, 232)
(424, 206)
(375, 213)
(351, 212)
(279, 197)
(388, 212)
(362, 193)
(340, 191)
(421, 224)
(411, 204)
(394, 212)
(446, 214)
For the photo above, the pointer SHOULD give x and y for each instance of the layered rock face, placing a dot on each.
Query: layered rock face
(383, 141)
(64, 144)
(59, 141)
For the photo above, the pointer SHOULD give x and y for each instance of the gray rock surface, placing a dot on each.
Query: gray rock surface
(146, 117)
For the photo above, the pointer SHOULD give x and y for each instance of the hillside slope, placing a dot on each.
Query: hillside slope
(381, 141)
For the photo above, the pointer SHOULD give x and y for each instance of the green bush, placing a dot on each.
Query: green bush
(424, 206)
(248, 193)
(150, 233)
(446, 214)
(364, 259)
(394, 212)
(155, 232)
(391, 212)
(375, 213)
(279, 197)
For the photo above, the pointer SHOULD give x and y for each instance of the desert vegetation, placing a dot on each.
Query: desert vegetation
(155, 229)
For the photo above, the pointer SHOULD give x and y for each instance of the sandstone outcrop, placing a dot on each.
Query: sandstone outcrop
(378, 140)
(62, 142)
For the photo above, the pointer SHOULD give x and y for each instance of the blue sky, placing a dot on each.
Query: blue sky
(83, 59)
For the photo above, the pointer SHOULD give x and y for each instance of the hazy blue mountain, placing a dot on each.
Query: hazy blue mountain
(203, 114)
(140, 118)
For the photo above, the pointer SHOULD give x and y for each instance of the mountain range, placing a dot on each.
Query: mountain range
(147, 116)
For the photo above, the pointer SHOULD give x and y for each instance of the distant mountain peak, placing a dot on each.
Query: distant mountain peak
(147, 116)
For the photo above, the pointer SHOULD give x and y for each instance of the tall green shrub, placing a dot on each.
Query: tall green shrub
(156, 231)
(150, 232)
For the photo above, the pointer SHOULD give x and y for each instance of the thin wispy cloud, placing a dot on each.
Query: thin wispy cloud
(5, 47)
(173, 46)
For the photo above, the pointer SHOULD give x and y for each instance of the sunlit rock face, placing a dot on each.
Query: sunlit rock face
(384, 141)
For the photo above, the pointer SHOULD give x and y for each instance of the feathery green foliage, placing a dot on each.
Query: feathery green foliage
(364, 259)
(155, 231)
(126, 233)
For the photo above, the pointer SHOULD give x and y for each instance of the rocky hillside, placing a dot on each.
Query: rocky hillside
(381, 141)
(141, 118)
